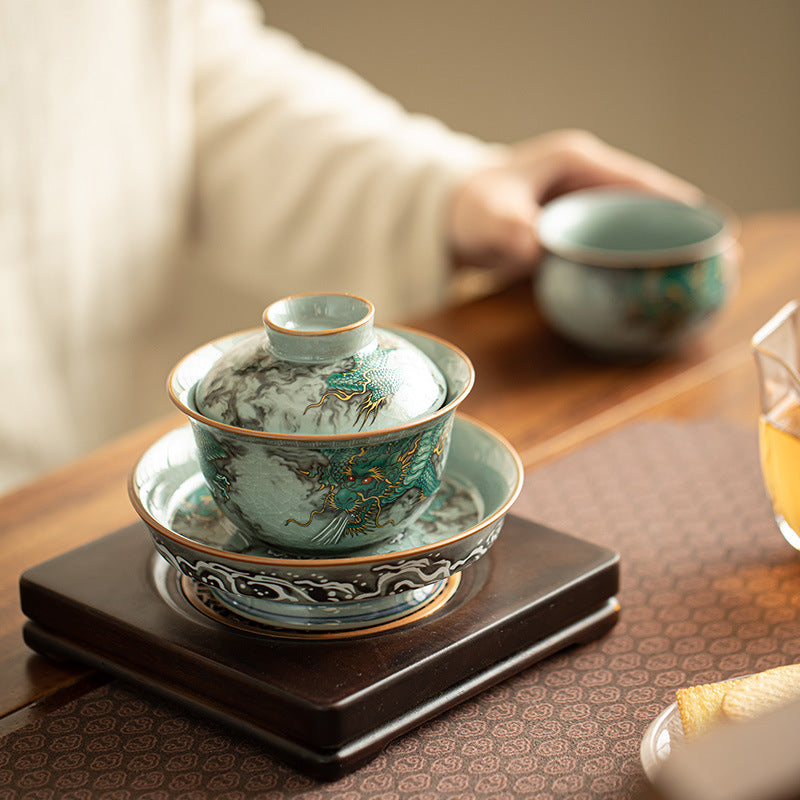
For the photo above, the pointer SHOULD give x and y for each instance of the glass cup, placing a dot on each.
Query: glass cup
(776, 348)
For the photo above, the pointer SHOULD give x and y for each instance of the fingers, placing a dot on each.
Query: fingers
(603, 165)
(565, 161)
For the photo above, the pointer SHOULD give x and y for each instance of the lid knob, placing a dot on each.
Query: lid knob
(318, 327)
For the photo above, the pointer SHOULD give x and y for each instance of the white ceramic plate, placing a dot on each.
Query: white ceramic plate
(663, 735)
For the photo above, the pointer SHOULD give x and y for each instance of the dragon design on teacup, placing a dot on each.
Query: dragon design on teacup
(665, 300)
(360, 486)
(356, 489)
(372, 381)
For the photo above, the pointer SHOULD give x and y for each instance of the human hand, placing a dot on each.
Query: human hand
(492, 216)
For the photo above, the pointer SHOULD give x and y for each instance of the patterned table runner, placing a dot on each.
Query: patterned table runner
(709, 590)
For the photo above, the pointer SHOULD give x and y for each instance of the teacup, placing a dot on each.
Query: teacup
(322, 434)
(631, 274)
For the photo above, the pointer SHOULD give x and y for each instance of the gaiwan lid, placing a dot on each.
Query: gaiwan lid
(322, 368)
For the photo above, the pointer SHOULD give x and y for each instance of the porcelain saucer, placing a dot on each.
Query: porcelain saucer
(482, 479)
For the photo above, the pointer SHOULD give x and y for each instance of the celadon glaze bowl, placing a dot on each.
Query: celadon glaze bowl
(626, 274)
(325, 434)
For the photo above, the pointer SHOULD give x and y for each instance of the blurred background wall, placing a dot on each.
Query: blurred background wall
(707, 88)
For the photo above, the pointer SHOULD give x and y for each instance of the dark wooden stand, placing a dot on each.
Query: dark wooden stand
(324, 706)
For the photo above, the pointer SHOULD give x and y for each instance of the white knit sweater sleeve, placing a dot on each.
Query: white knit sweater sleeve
(309, 179)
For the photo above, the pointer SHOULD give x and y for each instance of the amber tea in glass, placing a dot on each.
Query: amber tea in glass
(776, 349)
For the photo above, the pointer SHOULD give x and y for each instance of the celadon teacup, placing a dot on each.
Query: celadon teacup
(629, 274)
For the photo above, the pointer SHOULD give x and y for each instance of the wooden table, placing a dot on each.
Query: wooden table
(543, 395)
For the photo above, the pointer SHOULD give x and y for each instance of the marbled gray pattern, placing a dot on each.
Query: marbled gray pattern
(386, 384)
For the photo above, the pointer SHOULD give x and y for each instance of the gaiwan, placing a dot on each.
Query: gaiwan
(321, 433)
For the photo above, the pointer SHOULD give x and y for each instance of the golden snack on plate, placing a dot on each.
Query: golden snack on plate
(762, 692)
(701, 707)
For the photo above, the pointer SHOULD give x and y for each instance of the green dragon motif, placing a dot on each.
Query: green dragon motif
(665, 299)
(361, 484)
(373, 379)
(215, 455)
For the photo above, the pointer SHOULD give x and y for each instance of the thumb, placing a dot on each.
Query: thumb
(493, 220)
(514, 234)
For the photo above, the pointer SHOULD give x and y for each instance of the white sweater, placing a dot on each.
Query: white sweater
(158, 156)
